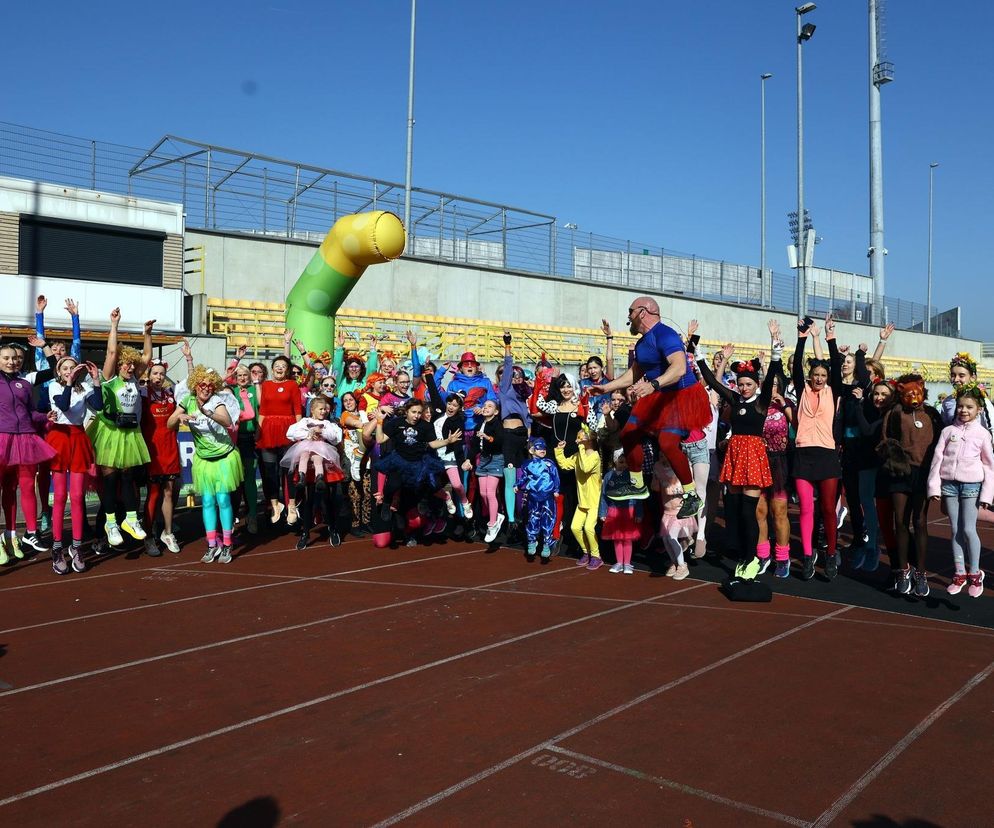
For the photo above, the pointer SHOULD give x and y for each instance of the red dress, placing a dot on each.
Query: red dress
(279, 407)
(162, 442)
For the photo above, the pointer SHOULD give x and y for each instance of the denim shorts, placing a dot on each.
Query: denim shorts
(963, 491)
(697, 452)
(491, 466)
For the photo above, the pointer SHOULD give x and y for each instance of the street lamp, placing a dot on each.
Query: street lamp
(804, 33)
(928, 300)
(762, 196)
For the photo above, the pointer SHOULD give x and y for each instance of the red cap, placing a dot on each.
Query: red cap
(469, 356)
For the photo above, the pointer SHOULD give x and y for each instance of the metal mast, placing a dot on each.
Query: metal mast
(881, 72)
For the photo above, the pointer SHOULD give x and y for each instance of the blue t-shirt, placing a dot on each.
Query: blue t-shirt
(652, 352)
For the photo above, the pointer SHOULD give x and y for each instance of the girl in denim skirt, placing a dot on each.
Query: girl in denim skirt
(962, 472)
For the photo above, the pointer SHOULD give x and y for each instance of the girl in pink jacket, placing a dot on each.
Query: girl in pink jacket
(963, 474)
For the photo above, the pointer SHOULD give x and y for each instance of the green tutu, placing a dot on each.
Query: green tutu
(215, 476)
(117, 448)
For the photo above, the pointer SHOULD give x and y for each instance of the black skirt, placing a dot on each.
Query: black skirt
(779, 471)
(814, 463)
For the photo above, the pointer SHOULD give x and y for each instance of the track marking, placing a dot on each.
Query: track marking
(149, 754)
(912, 736)
(550, 743)
(678, 786)
(225, 592)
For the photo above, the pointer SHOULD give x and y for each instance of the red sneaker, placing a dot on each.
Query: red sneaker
(956, 585)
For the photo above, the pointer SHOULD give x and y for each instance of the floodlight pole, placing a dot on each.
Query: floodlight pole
(762, 197)
(410, 128)
(928, 300)
(802, 274)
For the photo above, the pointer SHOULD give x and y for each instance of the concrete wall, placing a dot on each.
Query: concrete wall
(264, 269)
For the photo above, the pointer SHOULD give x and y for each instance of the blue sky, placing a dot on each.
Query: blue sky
(634, 119)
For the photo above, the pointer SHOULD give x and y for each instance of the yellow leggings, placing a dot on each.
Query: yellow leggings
(584, 528)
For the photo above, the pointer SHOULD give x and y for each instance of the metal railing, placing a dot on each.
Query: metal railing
(236, 191)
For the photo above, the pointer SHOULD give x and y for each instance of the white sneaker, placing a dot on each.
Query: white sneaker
(629, 569)
(4, 557)
(113, 534)
(467, 511)
(450, 505)
(617, 568)
(212, 553)
(134, 529)
(494, 529)
(170, 542)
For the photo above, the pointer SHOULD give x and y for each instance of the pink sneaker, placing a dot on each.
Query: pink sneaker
(976, 588)
(584, 560)
(958, 582)
(595, 563)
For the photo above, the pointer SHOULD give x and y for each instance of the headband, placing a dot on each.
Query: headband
(963, 360)
(749, 369)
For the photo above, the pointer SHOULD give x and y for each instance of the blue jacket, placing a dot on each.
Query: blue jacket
(476, 390)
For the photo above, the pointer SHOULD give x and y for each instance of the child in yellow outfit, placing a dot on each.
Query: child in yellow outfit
(587, 465)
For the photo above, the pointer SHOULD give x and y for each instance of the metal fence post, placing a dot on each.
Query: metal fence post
(265, 197)
(552, 248)
(207, 185)
(503, 235)
(441, 218)
(93, 165)
(628, 264)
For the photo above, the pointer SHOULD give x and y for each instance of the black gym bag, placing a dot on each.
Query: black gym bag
(739, 589)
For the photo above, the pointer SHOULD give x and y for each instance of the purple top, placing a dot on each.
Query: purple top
(16, 415)
(511, 405)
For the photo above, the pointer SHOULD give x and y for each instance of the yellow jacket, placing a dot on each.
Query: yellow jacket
(587, 465)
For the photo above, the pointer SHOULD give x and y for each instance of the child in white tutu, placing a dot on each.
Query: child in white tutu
(677, 533)
(315, 443)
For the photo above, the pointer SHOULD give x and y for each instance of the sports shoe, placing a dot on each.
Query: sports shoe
(291, 515)
(78, 564)
(133, 529)
(44, 522)
(467, 510)
(334, 539)
(808, 572)
(584, 560)
(976, 588)
(277, 513)
(902, 581)
(617, 568)
(450, 504)
(921, 583)
(59, 565)
(302, 542)
(493, 529)
(682, 572)
(100, 546)
(629, 569)
(4, 557)
(700, 548)
(225, 556)
(831, 566)
(211, 554)
(622, 488)
(959, 581)
(595, 563)
(546, 553)
(782, 570)
(151, 549)
(32, 540)
(170, 542)
(411, 542)
(691, 506)
(872, 559)
(764, 564)
(15, 547)
(842, 517)
(671, 570)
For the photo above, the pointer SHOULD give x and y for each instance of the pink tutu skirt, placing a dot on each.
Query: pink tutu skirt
(327, 452)
(621, 524)
(679, 528)
(24, 450)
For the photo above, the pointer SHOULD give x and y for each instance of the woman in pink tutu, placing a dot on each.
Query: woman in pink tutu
(21, 449)
(622, 519)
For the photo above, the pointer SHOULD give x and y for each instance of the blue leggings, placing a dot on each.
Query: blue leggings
(215, 505)
(510, 477)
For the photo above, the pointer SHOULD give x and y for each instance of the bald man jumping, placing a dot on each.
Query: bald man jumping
(669, 404)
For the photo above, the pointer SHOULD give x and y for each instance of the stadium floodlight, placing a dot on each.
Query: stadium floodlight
(804, 8)
(807, 30)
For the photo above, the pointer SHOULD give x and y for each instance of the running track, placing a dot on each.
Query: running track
(445, 686)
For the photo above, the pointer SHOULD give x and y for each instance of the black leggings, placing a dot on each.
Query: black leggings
(322, 495)
(274, 476)
(741, 526)
(911, 508)
(119, 486)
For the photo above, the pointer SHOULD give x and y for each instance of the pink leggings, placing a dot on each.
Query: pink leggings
(22, 477)
(455, 478)
(623, 552)
(77, 503)
(488, 489)
(827, 490)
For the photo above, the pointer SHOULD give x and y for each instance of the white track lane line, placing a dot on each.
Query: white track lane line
(546, 745)
(149, 754)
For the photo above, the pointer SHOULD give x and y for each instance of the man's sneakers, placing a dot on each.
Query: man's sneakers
(32, 540)
(691, 505)
(170, 542)
(902, 581)
(134, 528)
(621, 487)
(493, 529)
(808, 571)
(976, 588)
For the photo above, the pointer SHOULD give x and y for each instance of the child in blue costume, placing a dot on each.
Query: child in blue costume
(540, 482)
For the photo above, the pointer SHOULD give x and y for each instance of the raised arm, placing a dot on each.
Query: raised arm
(797, 370)
(861, 373)
(287, 339)
(815, 333)
(40, 304)
(608, 349)
(834, 357)
(885, 333)
(775, 368)
(110, 360)
(712, 382)
(147, 343)
(76, 349)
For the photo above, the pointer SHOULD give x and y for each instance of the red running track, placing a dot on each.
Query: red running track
(446, 686)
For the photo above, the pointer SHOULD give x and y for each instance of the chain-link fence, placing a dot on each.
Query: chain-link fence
(236, 191)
